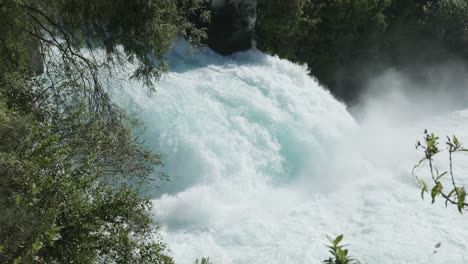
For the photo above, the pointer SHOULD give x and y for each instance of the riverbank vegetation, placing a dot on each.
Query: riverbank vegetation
(72, 166)
(345, 42)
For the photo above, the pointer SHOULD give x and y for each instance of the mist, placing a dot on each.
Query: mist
(265, 162)
(415, 92)
(395, 108)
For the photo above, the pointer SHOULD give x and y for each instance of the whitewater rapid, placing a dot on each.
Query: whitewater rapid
(264, 163)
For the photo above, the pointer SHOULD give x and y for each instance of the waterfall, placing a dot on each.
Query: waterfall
(264, 163)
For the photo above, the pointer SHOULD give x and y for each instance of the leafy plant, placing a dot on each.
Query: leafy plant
(449, 190)
(338, 252)
(203, 261)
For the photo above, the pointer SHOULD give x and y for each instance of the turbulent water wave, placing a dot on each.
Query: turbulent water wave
(264, 163)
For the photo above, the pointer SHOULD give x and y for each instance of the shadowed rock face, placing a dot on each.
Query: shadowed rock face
(233, 25)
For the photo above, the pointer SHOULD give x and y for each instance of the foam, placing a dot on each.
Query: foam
(264, 163)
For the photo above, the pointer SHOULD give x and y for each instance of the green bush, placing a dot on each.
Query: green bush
(62, 202)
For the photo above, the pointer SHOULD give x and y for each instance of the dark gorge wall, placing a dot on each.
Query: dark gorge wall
(233, 25)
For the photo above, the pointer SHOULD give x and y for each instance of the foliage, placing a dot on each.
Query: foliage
(72, 167)
(60, 200)
(450, 20)
(319, 33)
(344, 42)
(203, 261)
(125, 37)
(338, 252)
(451, 192)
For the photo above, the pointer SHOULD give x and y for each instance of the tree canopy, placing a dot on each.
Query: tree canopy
(71, 191)
(344, 42)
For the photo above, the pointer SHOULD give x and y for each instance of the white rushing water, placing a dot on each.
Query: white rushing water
(264, 163)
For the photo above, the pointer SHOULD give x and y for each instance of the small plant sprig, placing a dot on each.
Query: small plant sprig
(338, 252)
(456, 194)
(203, 261)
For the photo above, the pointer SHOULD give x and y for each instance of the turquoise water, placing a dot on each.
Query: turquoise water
(264, 163)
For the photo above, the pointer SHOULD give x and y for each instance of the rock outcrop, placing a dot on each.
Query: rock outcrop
(233, 25)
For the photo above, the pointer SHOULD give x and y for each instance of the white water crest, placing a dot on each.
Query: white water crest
(264, 163)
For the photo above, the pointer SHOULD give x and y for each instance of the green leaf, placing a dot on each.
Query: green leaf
(436, 191)
(449, 195)
(338, 239)
(18, 199)
(424, 186)
(17, 260)
(461, 195)
(57, 228)
(340, 254)
(441, 175)
(34, 189)
(37, 245)
(455, 140)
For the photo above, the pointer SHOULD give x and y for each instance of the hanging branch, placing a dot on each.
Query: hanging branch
(73, 66)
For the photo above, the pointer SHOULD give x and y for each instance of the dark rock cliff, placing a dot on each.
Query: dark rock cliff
(233, 25)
